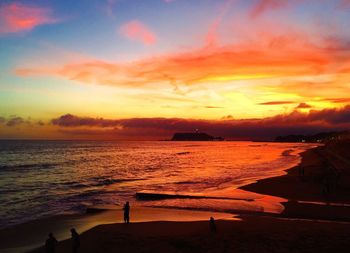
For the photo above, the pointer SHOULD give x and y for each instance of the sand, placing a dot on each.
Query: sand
(254, 234)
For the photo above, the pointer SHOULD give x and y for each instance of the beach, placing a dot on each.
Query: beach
(312, 220)
(253, 234)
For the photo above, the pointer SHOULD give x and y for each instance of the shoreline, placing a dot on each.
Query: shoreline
(312, 190)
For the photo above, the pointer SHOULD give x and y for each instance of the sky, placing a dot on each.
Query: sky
(142, 70)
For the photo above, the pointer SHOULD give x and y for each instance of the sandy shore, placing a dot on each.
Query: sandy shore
(313, 220)
(318, 188)
(253, 234)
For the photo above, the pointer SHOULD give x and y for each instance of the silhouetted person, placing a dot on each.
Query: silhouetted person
(127, 212)
(50, 244)
(212, 224)
(75, 240)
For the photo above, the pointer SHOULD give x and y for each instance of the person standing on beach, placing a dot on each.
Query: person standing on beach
(75, 240)
(127, 212)
(212, 224)
(50, 244)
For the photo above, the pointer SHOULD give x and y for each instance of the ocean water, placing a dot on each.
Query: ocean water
(45, 178)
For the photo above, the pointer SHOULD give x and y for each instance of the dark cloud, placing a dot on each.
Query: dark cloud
(14, 121)
(40, 123)
(69, 120)
(303, 106)
(267, 128)
(213, 107)
(337, 100)
(277, 103)
(227, 117)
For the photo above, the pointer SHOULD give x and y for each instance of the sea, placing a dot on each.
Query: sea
(47, 178)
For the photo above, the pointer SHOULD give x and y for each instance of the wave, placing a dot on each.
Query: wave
(108, 181)
(27, 166)
(97, 182)
(288, 152)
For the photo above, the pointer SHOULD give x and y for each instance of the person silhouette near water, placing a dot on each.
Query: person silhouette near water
(126, 209)
(50, 244)
(75, 240)
(212, 225)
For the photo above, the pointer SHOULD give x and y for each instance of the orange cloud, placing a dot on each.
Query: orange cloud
(17, 17)
(275, 63)
(277, 103)
(135, 30)
(264, 59)
(303, 106)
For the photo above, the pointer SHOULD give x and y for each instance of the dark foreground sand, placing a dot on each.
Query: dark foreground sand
(254, 234)
(313, 220)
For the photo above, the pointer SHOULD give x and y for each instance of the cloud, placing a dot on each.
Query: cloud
(277, 103)
(303, 106)
(40, 123)
(262, 6)
(227, 117)
(344, 3)
(213, 107)
(212, 37)
(137, 31)
(14, 121)
(109, 7)
(69, 120)
(267, 128)
(16, 17)
(271, 57)
(337, 100)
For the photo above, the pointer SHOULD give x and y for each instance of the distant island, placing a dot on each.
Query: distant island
(196, 136)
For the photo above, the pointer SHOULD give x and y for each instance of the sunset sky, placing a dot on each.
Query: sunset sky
(133, 69)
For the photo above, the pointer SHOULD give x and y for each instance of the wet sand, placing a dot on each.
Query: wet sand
(312, 221)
